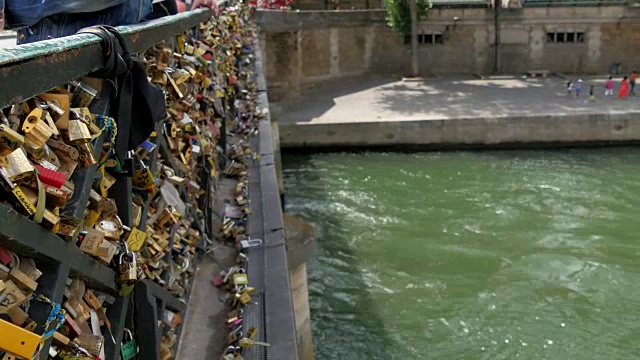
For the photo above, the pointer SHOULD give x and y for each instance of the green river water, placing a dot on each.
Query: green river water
(472, 255)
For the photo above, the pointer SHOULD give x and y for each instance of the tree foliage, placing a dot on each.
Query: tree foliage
(399, 14)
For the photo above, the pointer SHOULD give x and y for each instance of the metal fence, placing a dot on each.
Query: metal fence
(31, 69)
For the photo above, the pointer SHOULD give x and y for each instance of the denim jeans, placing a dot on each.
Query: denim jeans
(128, 13)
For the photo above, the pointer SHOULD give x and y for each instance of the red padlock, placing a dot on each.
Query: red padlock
(5, 257)
(51, 177)
(217, 281)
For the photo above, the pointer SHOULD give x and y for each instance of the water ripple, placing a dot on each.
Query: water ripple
(488, 255)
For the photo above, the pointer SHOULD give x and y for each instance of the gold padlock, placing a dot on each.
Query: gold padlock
(91, 299)
(92, 343)
(87, 155)
(78, 132)
(163, 59)
(36, 128)
(107, 251)
(50, 221)
(91, 242)
(80, 136)
(15, 297)
(69, 228)
(83, 114)
(9, 140)
(17, 166)
(63, 150)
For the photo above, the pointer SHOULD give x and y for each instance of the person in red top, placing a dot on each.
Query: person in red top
(632, 82)
(624, 89)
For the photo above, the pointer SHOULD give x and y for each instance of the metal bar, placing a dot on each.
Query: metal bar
(51, 284)
(171, 302)
(145, 35)
(34, 68)
(168, 156)
(169, 254)
(122, 193)
(146, 320)
(180, 327)
(153, 165)
(83, 178)
(117, 314)
(26, 238)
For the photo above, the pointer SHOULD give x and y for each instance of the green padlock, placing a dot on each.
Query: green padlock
(129, 348)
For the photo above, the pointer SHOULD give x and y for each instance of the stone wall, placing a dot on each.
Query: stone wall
(307, 49)
(507, 131)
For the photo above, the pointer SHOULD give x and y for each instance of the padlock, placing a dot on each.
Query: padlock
(49, 120)
(90, 240)
(9, 140)
(243, 298)
(50, 220)
(234, 335)
(107, 251)
(45, 157)
(240, 278)
(58, 100)
(246, 244)
(17, 315)
(129, 348)
(54, 197)
(51, 177)
(36, 128)
(231, 350)
(54, 107)
(92, 343)
(234, 323)
(242, 259)
(112, 229)
(80, 136)
(128, 267)
(15, 340)
(17, 198)
(69, 227)
(28, 267)
(163, 59)
(13, 297)
(21, 280)
(71, 328)
(142, 177)
(63, 149)
(249, 343)
(17, 166)
(83, 95)
(91, 299)
(86, 117)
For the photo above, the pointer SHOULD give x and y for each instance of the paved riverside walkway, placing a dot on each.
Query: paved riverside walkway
(387, 100)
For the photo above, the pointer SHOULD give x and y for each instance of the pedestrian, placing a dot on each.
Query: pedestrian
(624, 89)
(578, 88)
(608, 87)
(569, 88)
(36, 20)
(592, 95)
(632, 83)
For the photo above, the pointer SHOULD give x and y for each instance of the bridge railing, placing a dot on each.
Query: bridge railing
(32, 69)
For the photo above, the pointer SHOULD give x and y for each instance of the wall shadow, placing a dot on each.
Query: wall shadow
(318, 101)
(385, 99)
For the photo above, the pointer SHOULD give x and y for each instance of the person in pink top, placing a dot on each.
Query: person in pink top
(608, 87)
